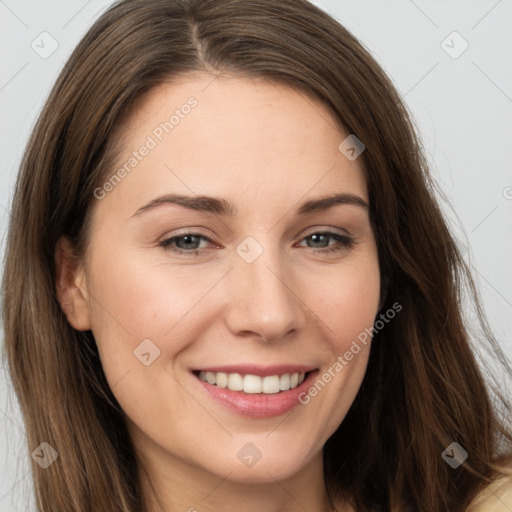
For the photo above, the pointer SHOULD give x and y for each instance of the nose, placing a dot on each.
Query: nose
(263, 301)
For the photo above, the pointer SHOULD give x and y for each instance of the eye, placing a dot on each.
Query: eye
(186, 244)
(189, 243)
(320, 240)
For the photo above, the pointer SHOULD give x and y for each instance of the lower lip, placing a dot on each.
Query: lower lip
(258, 405)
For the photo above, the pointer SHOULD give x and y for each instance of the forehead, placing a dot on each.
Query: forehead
(240, 138)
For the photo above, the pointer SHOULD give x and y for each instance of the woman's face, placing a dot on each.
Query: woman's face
(252, 289)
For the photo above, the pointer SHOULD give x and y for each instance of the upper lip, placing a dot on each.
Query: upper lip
(262, 371)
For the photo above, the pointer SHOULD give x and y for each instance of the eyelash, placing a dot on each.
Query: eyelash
(345, 243)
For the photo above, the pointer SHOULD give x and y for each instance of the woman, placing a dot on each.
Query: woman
(307, 351)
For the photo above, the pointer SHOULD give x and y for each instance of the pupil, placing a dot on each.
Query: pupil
(188, 237)
(315, 239)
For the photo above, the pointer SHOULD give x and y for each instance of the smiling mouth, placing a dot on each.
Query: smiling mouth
(253, 384)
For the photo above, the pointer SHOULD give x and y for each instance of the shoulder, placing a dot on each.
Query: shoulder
(496, 497)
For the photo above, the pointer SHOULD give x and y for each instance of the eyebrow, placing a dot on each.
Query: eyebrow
(221, 206)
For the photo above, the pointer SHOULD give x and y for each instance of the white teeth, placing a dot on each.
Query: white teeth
(284, 382)
(270, 385)
(235, 382)
(253, 384)
(222, 380)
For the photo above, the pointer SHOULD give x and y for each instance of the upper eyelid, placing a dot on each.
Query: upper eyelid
(312, 230)
(333, 231)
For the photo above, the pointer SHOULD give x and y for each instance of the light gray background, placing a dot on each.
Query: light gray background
(462, 106)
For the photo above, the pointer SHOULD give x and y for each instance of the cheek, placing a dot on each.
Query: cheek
(346, 299)
(346, 305)
(356, 311)
(133, 299)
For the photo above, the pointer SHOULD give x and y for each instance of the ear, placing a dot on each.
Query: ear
(71, 286)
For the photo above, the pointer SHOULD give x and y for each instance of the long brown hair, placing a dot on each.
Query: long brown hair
(424, 387)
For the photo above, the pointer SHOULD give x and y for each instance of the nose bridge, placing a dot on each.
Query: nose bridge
(263, 301)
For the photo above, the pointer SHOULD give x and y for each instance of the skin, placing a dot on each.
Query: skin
(265, 148)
